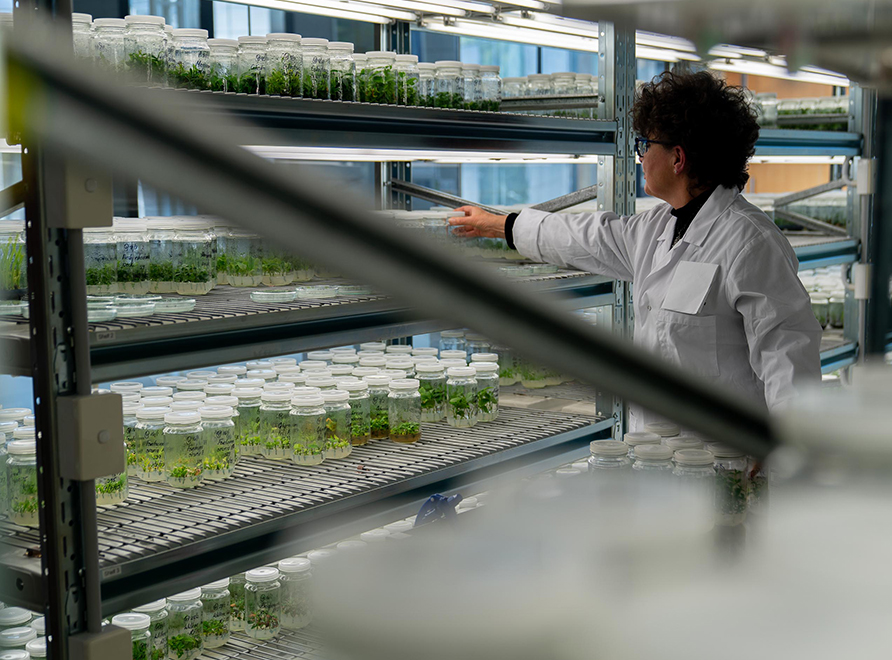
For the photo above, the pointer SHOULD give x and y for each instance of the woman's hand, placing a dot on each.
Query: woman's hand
(477, 223)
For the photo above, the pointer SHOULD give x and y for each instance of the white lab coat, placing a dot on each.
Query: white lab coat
(725, 302)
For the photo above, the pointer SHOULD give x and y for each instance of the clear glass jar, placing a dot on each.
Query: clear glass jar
(449, 86)
(683, 442)
(159, 617)
(453, 340)
(471, 92)
(695, 471)
(237, 603)
(184, 449)
(222, 76)
(21, 480)
(4, 457)
(380, 78)
(131, 442)
(342, 85)
(404, 411)
(609, 455)
(82, 35)
(191, 59)
(361, 65)
(161, 234)
(360, 411)
(251, 65)
(13, 257)
(407, 75)
(487, 390)
(316, 68)
(284, 64)
(490, 88)
(150, 443)
(539, 84)
(513, 88)
(663, 429)
(276, 425)
(379, 392)
(296, 578)
(461, 397)
(652, 458)
(101, 261)
(427, 72)
(184, 639)
(132, 255)
(112, 490)
(308, 424)
(635, 438)
(145, 44)
(336, 429)
(218, 430)
(477, 344)
(108, 43)
(731, 485)
(195, 257)
(140, 634)
(278, 267)
(263, 603)
(563, 84)
(215, 610)
(432, 388)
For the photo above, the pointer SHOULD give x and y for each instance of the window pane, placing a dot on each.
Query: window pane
(177, 13)
(263, 21)
(515, 60)
(230, 20)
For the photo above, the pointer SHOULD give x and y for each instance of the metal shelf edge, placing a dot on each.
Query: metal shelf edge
(843, 251)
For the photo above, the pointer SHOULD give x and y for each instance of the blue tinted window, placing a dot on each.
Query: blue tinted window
(177, 13)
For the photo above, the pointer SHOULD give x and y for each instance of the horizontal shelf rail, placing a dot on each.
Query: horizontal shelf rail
(789, 142)
(819, 251)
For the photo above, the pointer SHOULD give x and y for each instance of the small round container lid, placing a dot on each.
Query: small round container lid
(608, 448)
(723, 451)
(14, 616)
(377, 380)
(156, 401)
(230, 401)
(249, 382)
(17, 636)
(399, 527)
(278, 386)
(448, 364)
(109, 22)
(340, 369)
(264, 574)
(190, 33)
(340, 45)
(319, 356)
(19, 448)
(135, 621)
(320, 556)
(232, 43)
(192, 594)
(15, 654)
(485, 357)
(407, 59)
(399, 349)
(36, 648)
(219, 388)
(641, 438)
(429, 368)
(653, 452)
(420, 359)
(234, 370)
(694, 457)
(157, 390)
(489, 68)
(169, 381)
(200, 375)
(247, 392)
(404, 384)
(426, 66)
(219, 584)
(27, 433)
(191, 384)
(335, 396)
(314, 42)
(453, 355)
(381, 53)
(252, 40)
(485, 367)
(153, 412)
(375, 536)
(77, 17)
(154, 606)
(137, 18)
(8, 427)
(306, 391)
(426, 350)
(663, 429)
(13, 414)
(684, 442)
(179, 406)
(284, 361)
(461, 372)
(447, 64)
(296, 377)
(190, 395)
(366, 371)
(295, 565)
(353, 386)
(308, 401)
(39, 624)
(215, 412)
(312, 365)
(259, 364)
(345, 358)
(126, 386)
(320, 381)
(270, 397)
(372, 361)
(378, 346)
(283, 36)
(182, 417)
(351, 545)
(262, 374)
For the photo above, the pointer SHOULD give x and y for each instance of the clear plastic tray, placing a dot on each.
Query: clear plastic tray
(99, 314)
(274, 296)
(12, 307)
(355, 290)
(316, 292)
(127, 299)
(174, 305)
(132, 309)
(543, 269)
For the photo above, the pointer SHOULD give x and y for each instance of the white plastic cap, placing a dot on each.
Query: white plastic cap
(219, 584)
(192, 594)
(312, 365)
(153, 412)
(249, 382)
(694, 457)
(351, 545)
(109, 22)
(154, 606)
(461, 372)
(320, 556)
(295, 565)
(278, 386)
(723, 451)
(353, 386)
(264, 574)
(136, 18)
(361, 372)
(13, 414)
(340, 45)
(233, 370)
(191, 384)
(77, 17)
(12, 637)
(247, 393)
(156, 401)
(215, 412)
(14, 616)
(25, 433)
(169, 381)
(470, 67)
(453, 355)
(20, 448)
(663, 429)
(320, 381)
(36, 648)
(378, 380)
(132, 621)
(190, 33)
(453, 334)
(314, 42)
(229, 43)
(653, 452)
(634, 438)
(489, 68)
(372, 361)
(191, 406)
(378, 346)
(251, 40)
(447, 64)
(485, 367)
(283, 36)
(399, 349)
(219, 389)
(200, 375)
(190, 396)
(485, 357)
(426, 66)
(335, 396)
(404, 384)
(684, 442)
(308, 401)
(15, 654)
(608, 448)
(273, 397)
(230, 401)
(429, 367)
(157, 390)
(381, 54)
(182, 417)
(126, 386)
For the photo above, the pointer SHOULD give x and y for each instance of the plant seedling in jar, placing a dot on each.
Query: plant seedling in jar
(486, 400)
(184, 646)
(191, 78)
(12, 266)
(153, 66)
(185, 476)
(335, 446)
(407, 432)
(214, 628)
(380, 424)
(730, 495)
(22, 491)
(307, 450)
(379, 86)
(140, 649)
(276, 271)
(252, 82)
(343, 86)
(101, 279)
(360, 430)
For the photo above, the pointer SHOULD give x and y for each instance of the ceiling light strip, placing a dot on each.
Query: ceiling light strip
(347, 9)
(469, 28)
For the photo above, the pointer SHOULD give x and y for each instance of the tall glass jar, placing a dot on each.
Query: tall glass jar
(101, 261)
(360, 411)
(263, 603)
(108, 43)
(404, 411)
(284, 64)
(215, 609)
(159, 617)
(731, 485)
(276, 425)
(487, 390)
(219, 442)
(316, 68)
(196, 263)
(461, 397)
(296, 579)
(379, 391)
(184, 639)
(471, 94)
(112, 490)
(21, 482)
(251, 65)
(13, 263)
(449, 86)
(683, 442)
(584, 87)
(237, 603)
(145, 44)
(361, 64)
(132, 256)
(609, 455)
(407, 75)
(4, 458)
(191, 59)
(162, 247)
(139, 626)
(308, 424)
(652, 458)
(513, 88)
(223, 62)
(427, 72)
(380, 78)
(490, 88)
(150, 443)
(342, 86)
(432, 388)
(82, 35)
(336, 430)
(183, 449)
(694, 469)
(453, 340)
(131, 442)
(477, 344)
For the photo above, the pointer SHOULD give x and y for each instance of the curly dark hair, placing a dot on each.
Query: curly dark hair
(712, 121)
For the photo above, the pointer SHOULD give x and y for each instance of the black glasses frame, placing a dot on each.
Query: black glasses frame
(639, 141)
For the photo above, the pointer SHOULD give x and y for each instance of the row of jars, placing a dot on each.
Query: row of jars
(827, 293)
(22, 634)
(18, 467)
(433, 226)
(13, 261)
(554, 84)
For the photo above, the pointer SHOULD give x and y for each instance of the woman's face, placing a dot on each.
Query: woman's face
(658, 164)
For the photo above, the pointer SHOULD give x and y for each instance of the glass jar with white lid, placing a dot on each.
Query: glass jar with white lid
(399, 363)
(663, 429)
(145, 44)
(133, 257)
(296, 578)
(184, 639)
(360, 63)
(139, 626)
(379, 79)
(322, 382)
(221, 387)
(21, 480)
(242, 258)
(195, 259)
(487, 376)
(427, 72)
(360, 411)
(190, 385)
(449, 85)
(184, 449)
(191, 59)
(161, 233)
(342, 85)
(169, 381)
(461, 397)
(407, 74)
(336, 428)
(394, 350)
(453, 340)
(263, 603)
(683, 441)
(284, 64)
(308, 424)
(695, 472)
(471, 96)
(404, 411)
(159, 617)
(563, 84)
(432, 388)
(276, 425)
(490, 88)
(316, 68)
(379, 392)
(218, 430)
(652, 458)
(82, 35)
(513, 88)
(101, 260)
(454, 354)
(237, 603)
(609, 455)
(215, 611)
(635, 438)
(476, 344)
(251, 65)
(150, 443)
(223, 63)
(587, 85)
(108, 43)
(13, 258)
(731, 485)
(112, 490)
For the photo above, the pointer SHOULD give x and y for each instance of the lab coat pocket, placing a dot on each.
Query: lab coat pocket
(690, 287)
(689, 341)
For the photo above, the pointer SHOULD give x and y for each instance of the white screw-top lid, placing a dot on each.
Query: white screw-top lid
(447, 364)
(36, 648)
(408, 59)
(694, 457)
(426, 66)
(251, 40)
(608, 448)
(372, 361)
(461, 372)
(320, 381)
(273, 397)
(295, 565)
(15, 654)
(319, 356)
(400, 349)
(420, 359)
(308, 401)
(345, 358)
(489, 68)
(351, 545)
(192, 594)
(284, 361)
(378, 380)
(375, 536)
(404, 384)
(29, 420)
(264, 574)
(13, 414)
(190, 395)
(219, 584)
(154, 606)
(126, 386)
(335, 396)
(641, 438)
(283, 36)
(247, 393)
(191, 384)
(366, 371)
(180, 406)
(39, 624)
(295, 377)
(219, 389)
(320, 556)
(278, 386)
(344, 350)
(109, 22)
(381, 53)
(378, 346)
(453, 334)
(340, 45)
(684, 442)
(314, 42)
(20, 448)
(485, 357)
(153, 412)
(189, 33)
(313, 365)
(249, 382)
(584, 76)
(156, 401)
(453, 355)
(723, 451)
(200, 375)
(17, 636)
(399, 527)
(8, 427)
(157, 390)
(77, 17)
(132, 621)
(230, 401)
(353, 386)
(215, 412)
(136, 18)
(14, 616)
(169, 381)
(341, 369)
(662, 429)
(230, 43)
(470, 67)
(306, 391)
(447, 64)
(182, 417)
(653, 452)
(429, 367)
(282, 369)
(485, 367)
(262, 374)
(259, 364)
(425, 350)
(25, 433)
(232, 370)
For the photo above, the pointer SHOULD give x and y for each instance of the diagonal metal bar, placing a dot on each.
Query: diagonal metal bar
(437, 197)
(836, 184)
(564, 102)
(12, 198)
(128, 129)
(571, 199)
(810, 223)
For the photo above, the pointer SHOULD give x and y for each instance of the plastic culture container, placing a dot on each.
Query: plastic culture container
(191, 59)
(194, 258)
(635, 438)
(342, 84)
(14, 617)
(13, 275)
(336, 427)
(101, 261)
(184, 449)
(461, 397)
(296, 579)
(215, 611)
(242, 258)
(109, 47)
(276, 425)
(218, 430)
(112, 490)
(308, 418)
(490, 89)
(471, 93)
(487, 390)
(184, 639)
(609, 455)
(82, 35)
(360, 411)
(237, 603)
(663, 429)
(407, 74)
(316, 68)
(680, 442)
(284, 64)
(223, 60)
(379, 407)
(653, 458)
(149, 435)
(34, 650)
(263, 603)
(379, 82)
(432, 388)
(453, 340)
(730, 485)
(159, 616)
(17, 638)
(139, 626)
(145, 44)
(251, 65)
(449, 85)
(404, 411)
(132, 256)
(161, 233)
(427, 72)
(21, 479)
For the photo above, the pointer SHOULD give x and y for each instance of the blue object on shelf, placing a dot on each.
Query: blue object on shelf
(437, 507)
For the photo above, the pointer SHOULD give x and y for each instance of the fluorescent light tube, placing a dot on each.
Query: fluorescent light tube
(347, 9)
(425, 7)
(664, 54)
(346, 154)
(773, 71)
(538, 21)
(469, 28)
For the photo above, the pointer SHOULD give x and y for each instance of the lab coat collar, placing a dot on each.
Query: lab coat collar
(718, 203)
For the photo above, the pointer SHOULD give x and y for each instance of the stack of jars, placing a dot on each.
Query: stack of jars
(555, 84)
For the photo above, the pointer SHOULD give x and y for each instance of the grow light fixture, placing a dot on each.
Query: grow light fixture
(423, 7)
(549, 23)
(537, 37)
(355, 155)
(776, 68)
(798, 160)
(348, 9)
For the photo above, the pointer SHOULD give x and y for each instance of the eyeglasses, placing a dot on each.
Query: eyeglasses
(643, 144)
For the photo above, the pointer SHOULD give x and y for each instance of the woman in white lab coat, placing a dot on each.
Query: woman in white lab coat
(716, 289)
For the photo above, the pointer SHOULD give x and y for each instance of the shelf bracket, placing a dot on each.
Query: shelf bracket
(836, 184)
(566, 201)
(437, 197)
(12, 198)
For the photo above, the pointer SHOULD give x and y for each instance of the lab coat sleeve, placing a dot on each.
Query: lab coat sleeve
(783, 335)
(593, 242)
